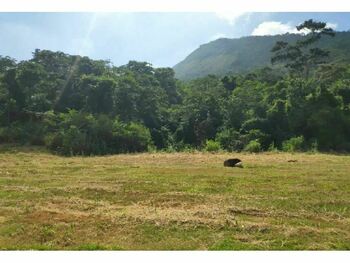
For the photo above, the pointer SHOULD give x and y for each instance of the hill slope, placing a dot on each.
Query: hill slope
(225, 55)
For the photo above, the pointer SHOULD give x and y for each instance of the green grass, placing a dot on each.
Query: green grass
(173, 201)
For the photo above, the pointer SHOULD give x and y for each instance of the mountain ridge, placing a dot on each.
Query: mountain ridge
(240, 55)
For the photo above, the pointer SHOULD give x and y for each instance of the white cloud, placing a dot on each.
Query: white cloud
(276, 28)
(273, 28)
(229, 16)
(332, 25)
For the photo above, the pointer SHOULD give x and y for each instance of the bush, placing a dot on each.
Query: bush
(230, 140)
(212, 146)
(131, 137)
(84, 134)
(294, 144)
(29, 132)
(256, 135)
(253, 146)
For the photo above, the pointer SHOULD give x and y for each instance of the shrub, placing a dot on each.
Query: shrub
(230, 140)
(253, 146)
(131, 137)
(84, 134)
(256, 135)
(28, 132)
(294, 144)
(212, 146)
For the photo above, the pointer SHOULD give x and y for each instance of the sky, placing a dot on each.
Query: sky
(162, 39)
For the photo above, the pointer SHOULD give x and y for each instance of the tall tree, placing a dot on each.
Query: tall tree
(300, 58)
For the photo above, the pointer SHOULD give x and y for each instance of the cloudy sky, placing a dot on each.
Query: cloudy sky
(162, 39)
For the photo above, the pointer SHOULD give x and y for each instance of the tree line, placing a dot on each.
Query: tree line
(76, 105)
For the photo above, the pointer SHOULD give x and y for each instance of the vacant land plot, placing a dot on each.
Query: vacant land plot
(173, 201)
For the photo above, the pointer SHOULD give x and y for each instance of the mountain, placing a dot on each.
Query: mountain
(244, 54)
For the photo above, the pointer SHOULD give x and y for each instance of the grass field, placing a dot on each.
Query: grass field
(181, 201)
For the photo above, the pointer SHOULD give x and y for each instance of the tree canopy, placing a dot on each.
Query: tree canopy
(76, 105)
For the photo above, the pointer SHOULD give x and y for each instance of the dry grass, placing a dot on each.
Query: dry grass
(173, 201)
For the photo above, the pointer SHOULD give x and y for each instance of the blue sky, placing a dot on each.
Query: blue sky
(162, 39)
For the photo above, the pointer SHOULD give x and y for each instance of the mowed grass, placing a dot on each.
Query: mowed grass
(177, 201)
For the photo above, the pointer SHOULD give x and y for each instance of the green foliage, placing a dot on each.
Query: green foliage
(295, 144)
(272, 147)
(253, 146)
(29, 132)
(257, 135)
(6, 63)
(131, 137)
(83, 134)
(302, 57)
(76, 105)
(201, 113)
(212, 146)
(230, 140)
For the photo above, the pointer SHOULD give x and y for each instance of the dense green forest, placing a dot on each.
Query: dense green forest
(243, 55)
(76, 105)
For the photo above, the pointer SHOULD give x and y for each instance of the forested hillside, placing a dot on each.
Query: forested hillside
(225, 56)
(76, 105)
